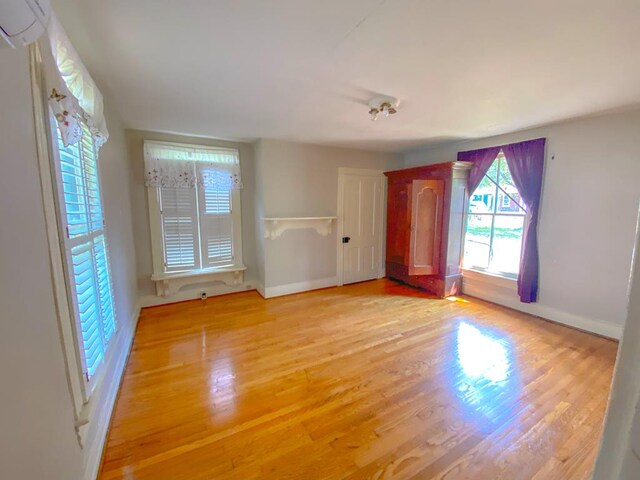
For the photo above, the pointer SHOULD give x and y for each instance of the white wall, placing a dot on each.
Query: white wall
(619, 455)
(36, 413)
(587, 219)
(258, 215)
(144, 267)
(301, 180)
(280, 179)
(115, 181)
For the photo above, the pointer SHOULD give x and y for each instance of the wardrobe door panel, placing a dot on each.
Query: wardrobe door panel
(398, 222)
(426, 227)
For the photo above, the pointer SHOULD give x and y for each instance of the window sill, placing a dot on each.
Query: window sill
(489, 277)
(168, 284)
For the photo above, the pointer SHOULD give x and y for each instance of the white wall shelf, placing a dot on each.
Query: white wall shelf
(275, 226)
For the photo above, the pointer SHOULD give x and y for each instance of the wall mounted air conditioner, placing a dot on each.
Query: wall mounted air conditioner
(23, 21)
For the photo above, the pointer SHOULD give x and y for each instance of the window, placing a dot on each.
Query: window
(81, 219)
(495, 223)
(196, 224)
(197, 228)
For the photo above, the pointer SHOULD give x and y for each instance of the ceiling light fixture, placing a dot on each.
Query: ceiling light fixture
(382, 105)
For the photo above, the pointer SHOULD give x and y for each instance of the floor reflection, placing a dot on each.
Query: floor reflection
(486, 380)
(222, 392)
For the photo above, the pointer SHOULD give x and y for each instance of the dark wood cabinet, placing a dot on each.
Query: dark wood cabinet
(425, 226)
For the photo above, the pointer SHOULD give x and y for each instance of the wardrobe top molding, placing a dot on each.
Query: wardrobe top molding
(445, 167)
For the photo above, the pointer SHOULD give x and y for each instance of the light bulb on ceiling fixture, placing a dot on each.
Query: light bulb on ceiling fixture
(382, 105)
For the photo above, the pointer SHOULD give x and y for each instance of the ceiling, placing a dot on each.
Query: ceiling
(304, 70)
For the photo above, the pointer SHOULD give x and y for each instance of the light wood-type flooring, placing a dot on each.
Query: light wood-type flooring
(369, 381)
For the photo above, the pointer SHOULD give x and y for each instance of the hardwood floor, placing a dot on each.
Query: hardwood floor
(370, 381)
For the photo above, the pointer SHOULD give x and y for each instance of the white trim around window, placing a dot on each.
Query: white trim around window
(212, 214)
(76, 383)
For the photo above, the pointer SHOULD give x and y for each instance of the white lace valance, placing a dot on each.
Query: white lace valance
(73, 95)
(184, 166)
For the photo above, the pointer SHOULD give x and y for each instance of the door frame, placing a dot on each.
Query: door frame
(342, 173)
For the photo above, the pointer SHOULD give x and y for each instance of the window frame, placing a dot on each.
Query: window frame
(157, 235)
(493, 215)
(67, 243)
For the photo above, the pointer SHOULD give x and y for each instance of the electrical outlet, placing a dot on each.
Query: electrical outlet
(203, 295)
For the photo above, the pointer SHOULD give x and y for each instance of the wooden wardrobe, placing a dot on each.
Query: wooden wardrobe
(426, 211)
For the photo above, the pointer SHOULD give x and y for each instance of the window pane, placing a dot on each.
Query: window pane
(510, 202)
(476, 244)
(492, 173)
(505, 173)
(507, 244)
(482, 199)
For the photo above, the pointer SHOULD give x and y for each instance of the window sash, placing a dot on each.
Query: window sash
(495, 214)
(88, 273)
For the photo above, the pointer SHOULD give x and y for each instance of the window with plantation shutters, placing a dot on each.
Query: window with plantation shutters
(194, 210)
(88, 272)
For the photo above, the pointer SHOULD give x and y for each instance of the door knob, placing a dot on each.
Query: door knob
(346, 239)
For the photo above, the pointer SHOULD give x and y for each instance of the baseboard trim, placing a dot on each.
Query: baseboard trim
(476, 289)
(260, 289)
(288, 289)
(104, 399)
(193, 294)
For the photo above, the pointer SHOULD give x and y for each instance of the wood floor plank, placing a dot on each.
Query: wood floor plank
(369, 381)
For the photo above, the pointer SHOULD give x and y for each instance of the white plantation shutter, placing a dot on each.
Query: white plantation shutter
(105, 290)
(83, 280)
(216, 225)
(86, 251)
(179, 213)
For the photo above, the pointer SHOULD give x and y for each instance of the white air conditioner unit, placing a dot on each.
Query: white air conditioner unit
(23, 21)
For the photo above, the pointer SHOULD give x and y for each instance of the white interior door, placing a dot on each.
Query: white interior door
(362, 199)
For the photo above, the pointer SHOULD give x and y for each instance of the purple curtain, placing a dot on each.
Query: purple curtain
(482, 160)
(526, 162)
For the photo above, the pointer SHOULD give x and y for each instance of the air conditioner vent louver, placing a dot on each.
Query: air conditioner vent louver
(23, 21)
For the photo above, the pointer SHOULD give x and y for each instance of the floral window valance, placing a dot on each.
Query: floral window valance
(185, 166)
(72, 94)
